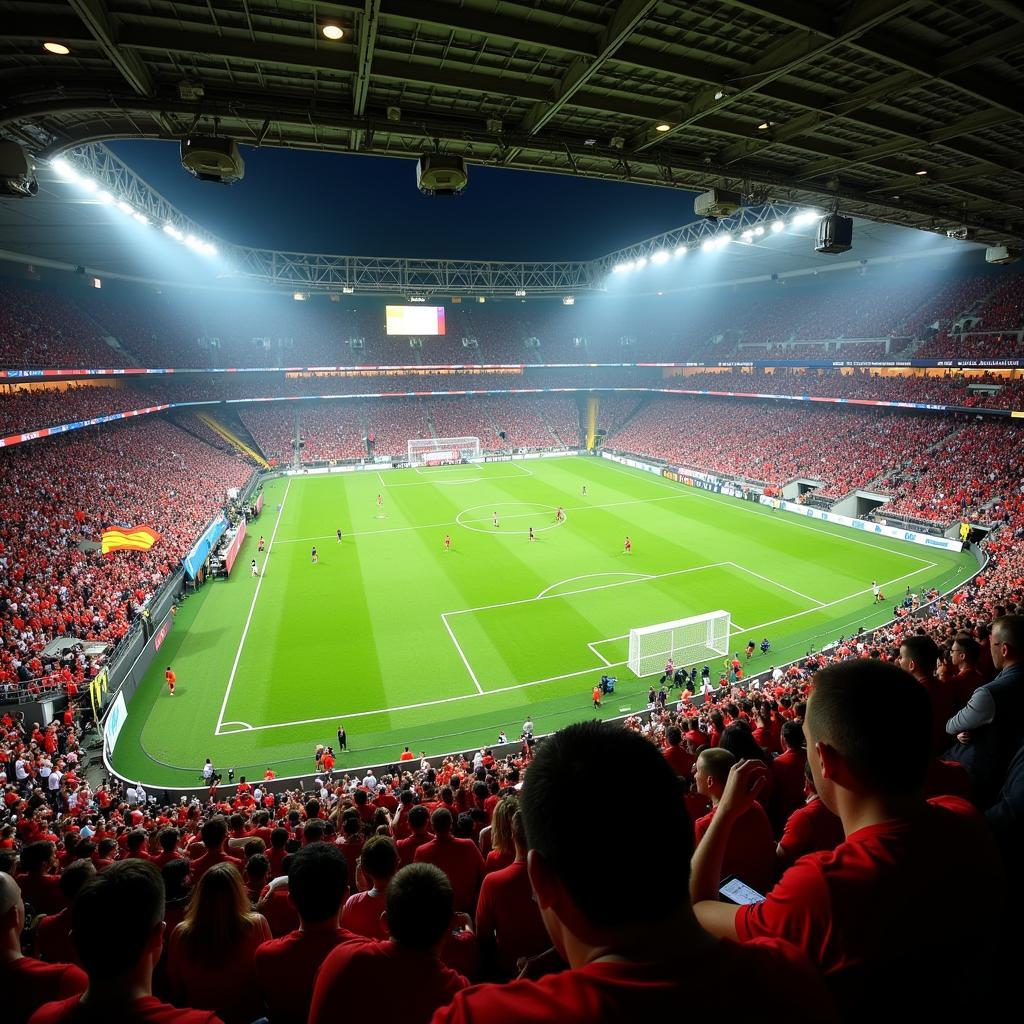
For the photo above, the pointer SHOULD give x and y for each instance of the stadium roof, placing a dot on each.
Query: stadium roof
(795, 100)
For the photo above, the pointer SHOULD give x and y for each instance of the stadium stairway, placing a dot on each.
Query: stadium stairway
(232, 439)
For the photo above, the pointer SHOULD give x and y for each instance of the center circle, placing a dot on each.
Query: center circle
(483, 524)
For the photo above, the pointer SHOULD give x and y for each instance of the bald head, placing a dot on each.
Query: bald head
(12, 912)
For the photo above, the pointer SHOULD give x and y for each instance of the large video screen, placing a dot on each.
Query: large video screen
(415, 319)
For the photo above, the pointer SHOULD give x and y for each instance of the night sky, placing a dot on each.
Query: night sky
(369, 206)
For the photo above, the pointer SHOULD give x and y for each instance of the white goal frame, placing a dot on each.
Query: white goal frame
(685, 641)
(426, 451)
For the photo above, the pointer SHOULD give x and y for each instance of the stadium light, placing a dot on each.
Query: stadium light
(777, 226)
(520, 293)
(680, 250)
(347, 289)
(747, 236)
(620, 267)
(299, 296)
(805, 217)
(759, 231)
(140, 217)
(641, 262)
(661, 256)
(105, 198)
(88, 184)
(58, 48)
(124, 207)
(568, 300)
(65, 170)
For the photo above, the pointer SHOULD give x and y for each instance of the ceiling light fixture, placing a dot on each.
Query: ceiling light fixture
(719, 95)
(58, 48)
(765, 125)
(921, 173)
(333, 32)
(663, 127)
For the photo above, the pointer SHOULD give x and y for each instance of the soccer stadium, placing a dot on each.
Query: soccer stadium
(524, 498)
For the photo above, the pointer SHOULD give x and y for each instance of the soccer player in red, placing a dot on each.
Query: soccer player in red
(559, 514)
(597, 696)
(447, 542)
(171, 679)
(532, 535)
(261, 544)
(628, 546)
(314, 556)
(380, 501)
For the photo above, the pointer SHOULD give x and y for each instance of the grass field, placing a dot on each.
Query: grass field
(407, 643)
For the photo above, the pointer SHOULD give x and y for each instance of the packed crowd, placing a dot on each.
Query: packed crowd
(51, 325)
(60, 494)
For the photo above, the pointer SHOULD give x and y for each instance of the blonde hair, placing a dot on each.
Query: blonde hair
(218, 916)
(501, 825)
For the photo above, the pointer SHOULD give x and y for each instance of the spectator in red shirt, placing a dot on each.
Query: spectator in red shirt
(287, 967)
(118, 929)
(211, 956)
(53, 933)
(919, 656)
(498, 835)
(459, 859)
(508, 920)
(809, 828)
(39, 887)
(623, 951)
(406, 967)
(964, 656)
(28, 983)
(363, 910)
(681, 760)
(214, 834)
(868, 911)
(750, 855)
(419, 819)
(788, 771)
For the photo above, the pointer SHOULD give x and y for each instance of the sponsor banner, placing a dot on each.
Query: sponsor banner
(910, 536)
(57, 373)
(162, 630)
(193, 561)
(112, 724)
(234, 547)
(32, 435)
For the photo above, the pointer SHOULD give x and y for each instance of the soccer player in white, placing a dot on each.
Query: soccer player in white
(494, 519)
(255, 570)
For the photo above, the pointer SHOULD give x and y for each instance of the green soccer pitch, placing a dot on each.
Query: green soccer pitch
(409, 644)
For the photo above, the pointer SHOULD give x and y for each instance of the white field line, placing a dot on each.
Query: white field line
(552, 679)
(593, 575)
(598, 654)
(430, 481)
(462, 654)
(587, 590)
(453, 522)
(788, 518)
(252, 607)
(775, 583)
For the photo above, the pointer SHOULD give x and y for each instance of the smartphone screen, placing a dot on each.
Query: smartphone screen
(737, 891)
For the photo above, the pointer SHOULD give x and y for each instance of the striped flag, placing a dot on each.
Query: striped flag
(135, 538)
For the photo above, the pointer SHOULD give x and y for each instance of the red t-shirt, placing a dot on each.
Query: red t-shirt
(277, 908)
(42, 893)
(203, 864)
(461, 861)
(810, 829)
(788, 770)
(881, 899)
(148, 1010)
(407, 847)
(228, 986)
(681, 760)
(28, 983)
(498, 859)
(361, 914)
(508, 917)
(286, 969)
(750, 855)
(53, 939)
(359, 978)
(788, 989)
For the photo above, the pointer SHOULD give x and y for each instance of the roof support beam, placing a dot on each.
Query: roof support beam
(93, 14)
(627, 17)
(794, 49)
(364, 63)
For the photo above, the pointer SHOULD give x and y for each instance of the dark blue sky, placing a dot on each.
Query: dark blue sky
(369, 206)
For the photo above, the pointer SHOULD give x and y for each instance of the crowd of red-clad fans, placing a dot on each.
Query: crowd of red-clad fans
(53, 325)
(58, 497)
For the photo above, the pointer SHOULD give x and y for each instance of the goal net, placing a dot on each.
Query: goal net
(436, 451)
(685, 641)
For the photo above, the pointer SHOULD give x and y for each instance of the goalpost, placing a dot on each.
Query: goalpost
(685, 641)
(436, 451)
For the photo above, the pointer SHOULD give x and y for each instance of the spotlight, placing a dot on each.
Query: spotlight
(620, 267)
(347, 289)
(65, 170)
(105, 198)
(759, 231)
(680, 250)
(141, 218)
(88, 184)
(641, 262)
(661, 256)
(568, 300)
(124, 207)
(520, 293)
(777, 226)
(299, 296)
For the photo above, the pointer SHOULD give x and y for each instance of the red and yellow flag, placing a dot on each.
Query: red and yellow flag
(134, 538)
